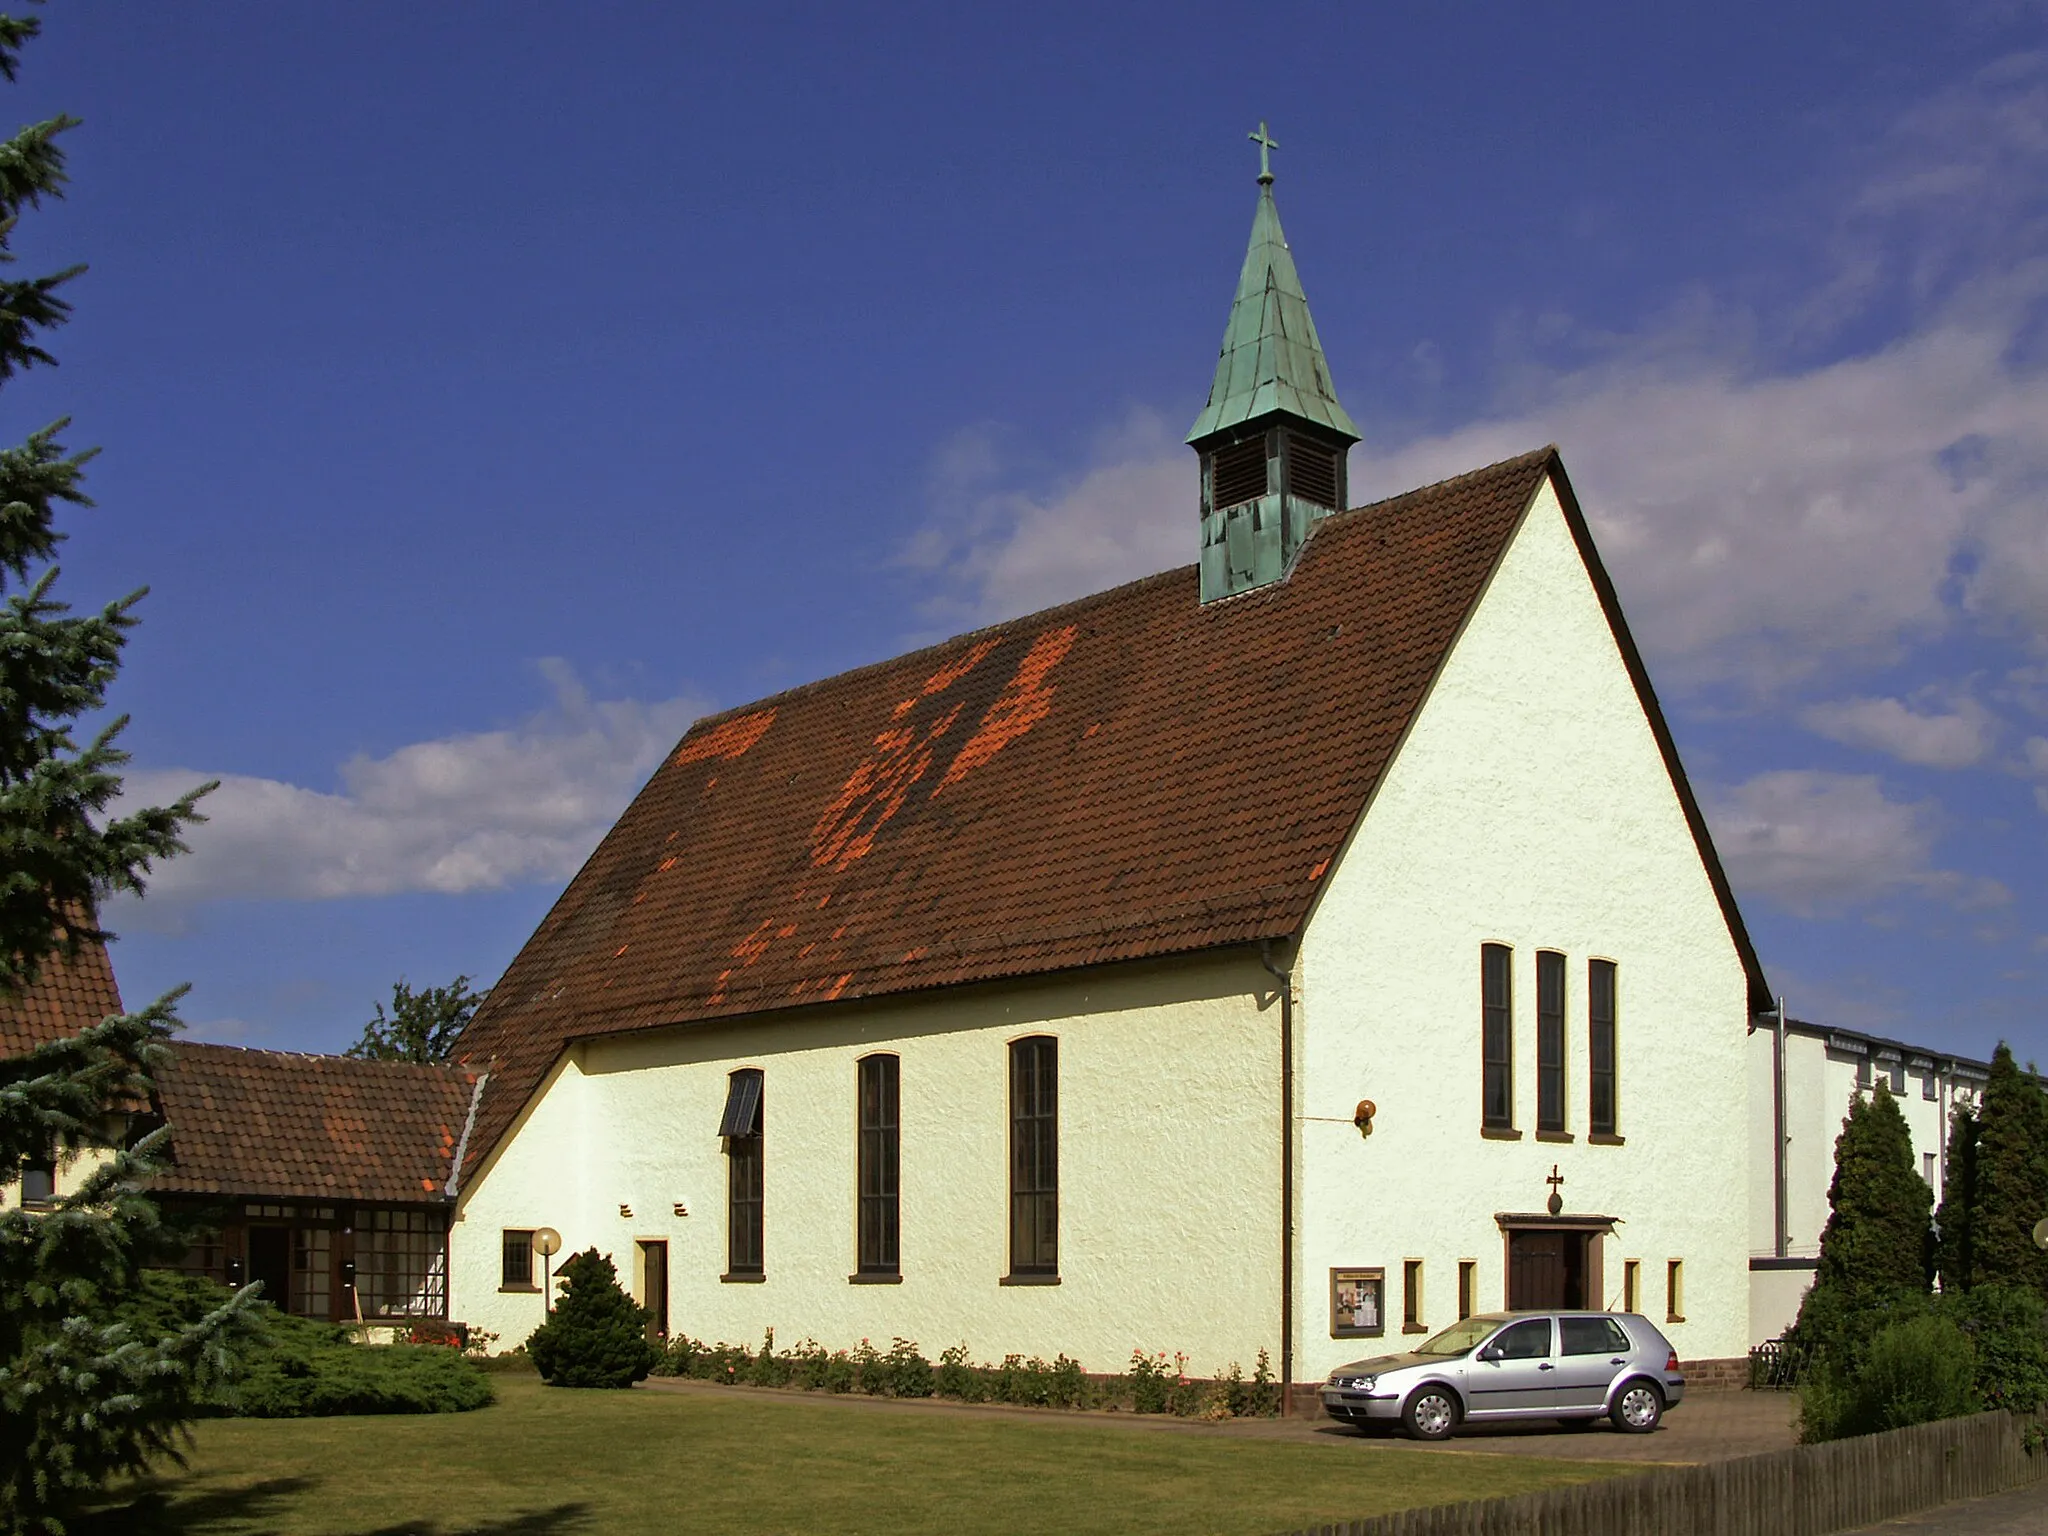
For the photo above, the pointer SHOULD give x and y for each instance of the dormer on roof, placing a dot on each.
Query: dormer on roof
(1273, 437)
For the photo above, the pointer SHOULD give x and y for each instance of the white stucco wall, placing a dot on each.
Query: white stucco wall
(1528, 807)
(1169, 1170)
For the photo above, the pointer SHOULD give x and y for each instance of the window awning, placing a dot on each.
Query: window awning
(742, 1104)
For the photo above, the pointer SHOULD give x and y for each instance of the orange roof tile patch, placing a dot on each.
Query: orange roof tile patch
(1025, 702)
(730, 739)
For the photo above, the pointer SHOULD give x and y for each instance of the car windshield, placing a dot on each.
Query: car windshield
(1459, 1337)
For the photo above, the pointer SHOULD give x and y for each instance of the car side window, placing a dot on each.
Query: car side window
(1525, 1341)
(1591, 1336)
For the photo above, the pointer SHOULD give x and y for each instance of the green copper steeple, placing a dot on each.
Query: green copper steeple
(1273, 436)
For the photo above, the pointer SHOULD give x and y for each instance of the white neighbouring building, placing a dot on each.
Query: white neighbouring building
(1027, 990)
(1801, 1080)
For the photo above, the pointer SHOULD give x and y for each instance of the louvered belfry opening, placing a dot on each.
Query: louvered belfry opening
(1315, 471)
(1237, 472)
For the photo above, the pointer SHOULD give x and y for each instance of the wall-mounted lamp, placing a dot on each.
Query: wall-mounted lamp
(1362, 1116)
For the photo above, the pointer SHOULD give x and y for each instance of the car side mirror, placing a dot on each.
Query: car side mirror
(1492, 1352)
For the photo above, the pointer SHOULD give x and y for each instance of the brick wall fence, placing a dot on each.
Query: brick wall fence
(1809, 1490)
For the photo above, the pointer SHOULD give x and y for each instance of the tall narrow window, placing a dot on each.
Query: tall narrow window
(741, 1126)
(878, 1158)
(1411, 1298)
(1674, 1291)
(1468, 1288)
(1600, 1082)
(1034, 1157)
(1497, 1043)
(1549, 1041)
(1631, 1285)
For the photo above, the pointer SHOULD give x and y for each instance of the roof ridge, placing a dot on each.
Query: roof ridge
(320, 1056)
(801, 690)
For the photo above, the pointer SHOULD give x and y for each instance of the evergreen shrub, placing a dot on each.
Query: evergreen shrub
(2007, 1326)
(296, 1368)
(1912, 1372)
(596, 1335)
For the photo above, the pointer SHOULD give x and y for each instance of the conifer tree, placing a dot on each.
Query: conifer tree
(1874, 1250)
(2011, 1179)
(1956, 1256)
(80, 1400)
(597, 1335)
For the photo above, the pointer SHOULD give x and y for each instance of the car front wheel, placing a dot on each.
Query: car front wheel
(1431, 1413)
(1638, 1409)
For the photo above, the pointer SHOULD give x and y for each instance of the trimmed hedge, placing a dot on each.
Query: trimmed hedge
(1155, 1383)
(309, 1369)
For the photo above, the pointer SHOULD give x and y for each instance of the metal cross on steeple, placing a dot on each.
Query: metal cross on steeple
(1267, 144)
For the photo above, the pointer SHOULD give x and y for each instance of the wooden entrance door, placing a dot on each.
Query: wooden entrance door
(1546, 1269)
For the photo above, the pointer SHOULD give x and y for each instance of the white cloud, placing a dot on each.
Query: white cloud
(478, 811)
(1960, 737)
(998, 552)
(1816, 842)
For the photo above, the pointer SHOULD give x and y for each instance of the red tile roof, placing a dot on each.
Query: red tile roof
(1134, 774)
(69, 996)
(279, 1124)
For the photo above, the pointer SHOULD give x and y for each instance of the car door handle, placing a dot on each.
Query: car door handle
(1619, 1360)
(1546, 1366)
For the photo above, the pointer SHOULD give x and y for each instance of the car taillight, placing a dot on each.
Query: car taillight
(1672, 1363)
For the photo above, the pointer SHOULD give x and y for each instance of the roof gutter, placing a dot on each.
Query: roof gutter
(476, 1097)
(1286, 980)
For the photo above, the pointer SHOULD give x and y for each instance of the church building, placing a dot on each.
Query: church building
(1291, 952)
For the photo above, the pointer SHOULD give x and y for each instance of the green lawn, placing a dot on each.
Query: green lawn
(554, 1462)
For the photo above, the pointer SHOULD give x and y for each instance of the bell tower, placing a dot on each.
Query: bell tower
(1272, 439)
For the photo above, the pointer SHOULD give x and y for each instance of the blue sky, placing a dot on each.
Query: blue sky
(488, 390)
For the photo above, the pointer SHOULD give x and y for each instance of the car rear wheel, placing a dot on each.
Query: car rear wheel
(1638, 1408)
(1431, 1413)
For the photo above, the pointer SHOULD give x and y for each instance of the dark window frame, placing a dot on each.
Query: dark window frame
(1034, 1156)
(1497, 1037)
(744, 1128)
(1550, 1036)
(508, 1279)
(1603, 1039)
(878, 1158)
(43, 1191)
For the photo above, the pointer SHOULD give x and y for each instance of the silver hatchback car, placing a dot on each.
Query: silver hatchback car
(1574, 1366)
